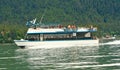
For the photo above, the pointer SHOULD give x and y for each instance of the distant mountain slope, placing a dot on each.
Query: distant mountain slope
(105, 14)
(79, 11)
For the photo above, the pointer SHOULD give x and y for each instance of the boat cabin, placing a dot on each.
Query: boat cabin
(59, 33)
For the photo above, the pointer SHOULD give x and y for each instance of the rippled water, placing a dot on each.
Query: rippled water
(103, 57)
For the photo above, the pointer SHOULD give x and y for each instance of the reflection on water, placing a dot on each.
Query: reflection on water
(89, 57)
(103, 57)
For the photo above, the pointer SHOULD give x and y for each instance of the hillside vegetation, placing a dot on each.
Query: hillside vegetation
(105, 14)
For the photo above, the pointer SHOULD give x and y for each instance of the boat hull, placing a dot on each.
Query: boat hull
(55, 44)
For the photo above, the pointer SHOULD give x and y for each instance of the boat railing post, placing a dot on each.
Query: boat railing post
(41, 37)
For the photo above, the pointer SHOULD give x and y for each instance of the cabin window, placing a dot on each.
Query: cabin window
(68, 36)
(57, 36)
(84, 35)
(33, 37)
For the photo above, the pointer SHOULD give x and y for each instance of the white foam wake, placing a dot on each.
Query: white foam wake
(46, 47)
(10, 57)
(112, 42)
(103, 65)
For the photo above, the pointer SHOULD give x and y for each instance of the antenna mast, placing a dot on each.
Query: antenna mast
(44, 12)
(42, 17)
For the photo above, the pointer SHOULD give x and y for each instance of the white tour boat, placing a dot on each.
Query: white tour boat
(57, 36)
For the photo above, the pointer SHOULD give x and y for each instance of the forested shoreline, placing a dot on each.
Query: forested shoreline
(104, 14)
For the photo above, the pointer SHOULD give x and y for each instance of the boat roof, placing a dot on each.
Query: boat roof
(58, 30)
(38, 28)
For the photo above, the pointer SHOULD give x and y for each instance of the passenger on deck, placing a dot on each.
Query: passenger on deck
(69, 26)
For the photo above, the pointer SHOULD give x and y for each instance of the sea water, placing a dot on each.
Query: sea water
(106, 56)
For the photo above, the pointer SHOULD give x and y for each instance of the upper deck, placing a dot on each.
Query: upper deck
(36, 28)
(59, 30)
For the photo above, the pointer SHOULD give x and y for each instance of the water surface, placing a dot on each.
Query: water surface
(103, 57)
